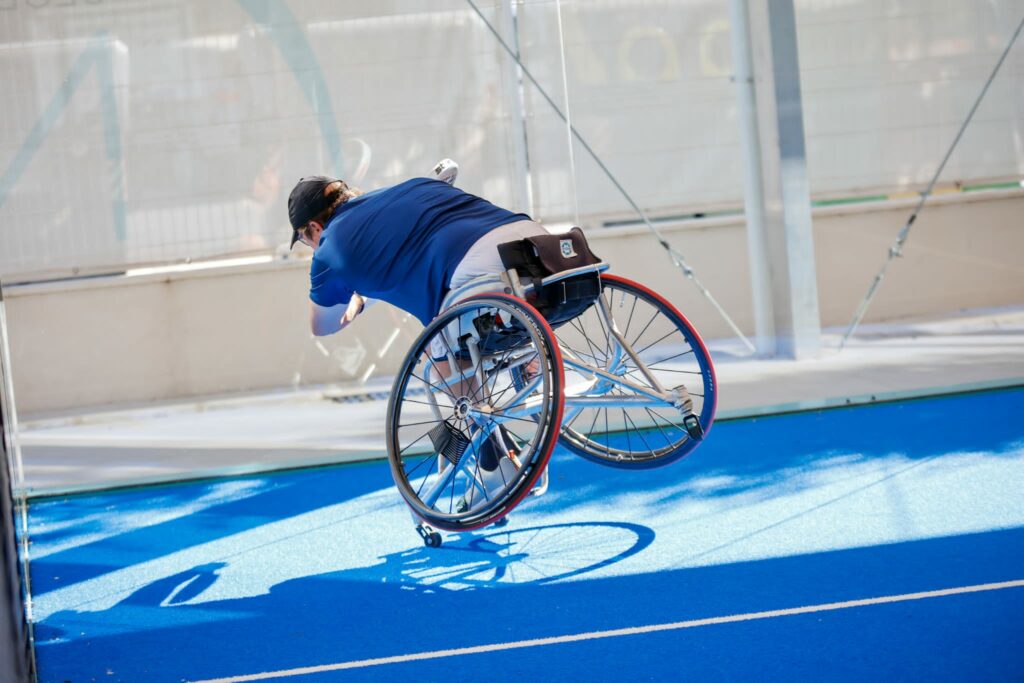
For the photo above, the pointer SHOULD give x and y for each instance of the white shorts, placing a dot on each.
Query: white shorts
(483, 259)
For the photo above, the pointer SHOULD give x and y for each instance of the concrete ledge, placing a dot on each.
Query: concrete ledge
(284, 430)
(86, 345)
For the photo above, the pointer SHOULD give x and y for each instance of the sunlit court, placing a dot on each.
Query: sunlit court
(511, 340)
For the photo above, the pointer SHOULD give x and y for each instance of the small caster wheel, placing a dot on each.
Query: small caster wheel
(501, 522)
(431, 538)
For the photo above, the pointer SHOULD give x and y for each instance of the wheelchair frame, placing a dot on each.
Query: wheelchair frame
(597, 390)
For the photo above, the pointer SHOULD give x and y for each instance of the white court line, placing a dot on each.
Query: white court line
(615, 633)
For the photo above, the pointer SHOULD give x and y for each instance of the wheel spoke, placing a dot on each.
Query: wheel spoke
(670, 333)
(668, 441)
(629, 444)
(653, 316)
(680, 372)
(631, 311)
(419, 438)
(607, 437)
(597, 414)
(595, 349)
(412, 400)
(428, 458)
(503, 416)
(419, 424)
(441, 389)
(665, 360)
(640, 433)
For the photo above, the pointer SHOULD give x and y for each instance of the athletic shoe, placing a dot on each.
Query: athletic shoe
(494, 481)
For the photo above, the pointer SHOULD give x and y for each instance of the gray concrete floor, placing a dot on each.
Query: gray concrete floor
(969, 350)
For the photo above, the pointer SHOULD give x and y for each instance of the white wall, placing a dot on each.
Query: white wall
(136, 131)
(114, 341)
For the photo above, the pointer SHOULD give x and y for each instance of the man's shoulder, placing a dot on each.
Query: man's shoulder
(319, 264)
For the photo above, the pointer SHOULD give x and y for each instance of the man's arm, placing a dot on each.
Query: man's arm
(324, 320)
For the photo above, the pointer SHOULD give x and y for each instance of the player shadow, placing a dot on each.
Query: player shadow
(481, 564)
(361, 614)
(110, 544)
(177, 588)
(741, 462)
(475, 577)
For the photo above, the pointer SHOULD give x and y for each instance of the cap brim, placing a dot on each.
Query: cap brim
(295, 238)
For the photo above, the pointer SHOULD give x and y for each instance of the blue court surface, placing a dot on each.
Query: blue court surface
(876, 542)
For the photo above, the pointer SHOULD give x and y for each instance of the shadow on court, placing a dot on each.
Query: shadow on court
(346, 616)
(115, 607)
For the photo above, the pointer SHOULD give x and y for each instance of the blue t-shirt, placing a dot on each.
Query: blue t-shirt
(401, 245)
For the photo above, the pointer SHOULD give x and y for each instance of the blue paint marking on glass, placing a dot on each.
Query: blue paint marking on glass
(97, 55)
(112, 135)
(279, 22)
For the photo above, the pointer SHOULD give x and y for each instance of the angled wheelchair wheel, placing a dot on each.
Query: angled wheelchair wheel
(610, 423)
(465, 442)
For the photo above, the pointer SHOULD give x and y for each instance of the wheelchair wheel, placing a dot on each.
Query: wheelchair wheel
(636, 436)
(465, 444)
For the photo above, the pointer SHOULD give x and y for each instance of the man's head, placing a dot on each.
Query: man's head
(311, 204)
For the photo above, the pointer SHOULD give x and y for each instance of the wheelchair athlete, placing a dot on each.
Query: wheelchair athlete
(408, 245)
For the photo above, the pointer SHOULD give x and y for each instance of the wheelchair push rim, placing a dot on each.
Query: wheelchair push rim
(609, 423)
(455, 406)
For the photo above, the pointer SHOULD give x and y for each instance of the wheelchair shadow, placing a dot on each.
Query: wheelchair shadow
(514, 556)
(497, 562)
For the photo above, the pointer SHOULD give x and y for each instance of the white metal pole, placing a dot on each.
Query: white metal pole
(568, 117)
(516, 107)
(753, 184)
(16, 663)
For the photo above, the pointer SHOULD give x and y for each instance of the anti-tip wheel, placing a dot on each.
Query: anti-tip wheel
(432, 540)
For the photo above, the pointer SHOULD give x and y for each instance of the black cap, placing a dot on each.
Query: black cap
(306, 201)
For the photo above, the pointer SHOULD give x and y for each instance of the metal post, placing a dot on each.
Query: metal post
(15, 653)
(753, 182)
(788, 245)
(522, 196)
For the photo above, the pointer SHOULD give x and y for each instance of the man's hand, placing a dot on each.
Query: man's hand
(324, 320)
(355, 307)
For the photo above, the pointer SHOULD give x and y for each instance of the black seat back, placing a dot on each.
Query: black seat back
(542, 256)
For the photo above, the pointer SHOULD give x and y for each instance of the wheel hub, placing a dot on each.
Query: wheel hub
(462, 407)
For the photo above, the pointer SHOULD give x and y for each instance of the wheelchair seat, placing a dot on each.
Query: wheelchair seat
(566, 295)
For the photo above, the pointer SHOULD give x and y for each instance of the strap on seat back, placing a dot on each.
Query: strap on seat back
(541, 256)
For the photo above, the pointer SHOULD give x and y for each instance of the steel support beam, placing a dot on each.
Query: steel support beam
(15, 653)
(777, 195)
(522, 195)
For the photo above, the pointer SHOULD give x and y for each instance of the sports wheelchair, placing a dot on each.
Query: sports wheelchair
(538, 356)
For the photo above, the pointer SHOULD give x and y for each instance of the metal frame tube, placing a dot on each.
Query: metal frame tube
(753, 180)
(16, 658)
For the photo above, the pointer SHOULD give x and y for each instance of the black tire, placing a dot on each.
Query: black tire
(638, 438)
(439, 432)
